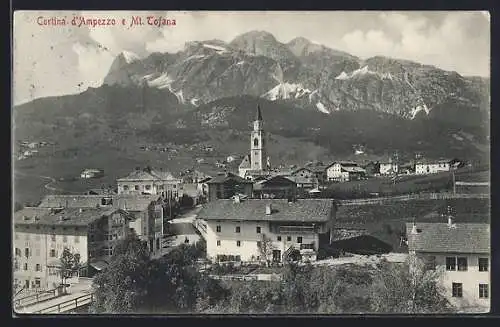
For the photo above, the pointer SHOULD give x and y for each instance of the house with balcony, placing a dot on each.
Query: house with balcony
(226, 185)
(42, 234)
(266, 230)
(277, 187)
(461, 251)
(344, 171)
(151, 181)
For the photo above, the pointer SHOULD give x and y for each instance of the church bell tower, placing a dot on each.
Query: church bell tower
(258, 158)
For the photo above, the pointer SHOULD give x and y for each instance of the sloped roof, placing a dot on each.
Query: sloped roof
(245, 163)
(353, 169)
(132, 202)
(317, 169)
(220, 179)
(302, 180)
(76, 217)
(343, 164)
(302, 210)
(439, 237)
(71, 201)
(148, 175)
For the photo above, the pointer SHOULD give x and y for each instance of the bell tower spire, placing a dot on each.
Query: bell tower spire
(257, 145)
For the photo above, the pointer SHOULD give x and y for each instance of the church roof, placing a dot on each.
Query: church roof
(245, 163)
(259, 114)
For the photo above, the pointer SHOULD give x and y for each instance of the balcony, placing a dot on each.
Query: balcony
(296, 229)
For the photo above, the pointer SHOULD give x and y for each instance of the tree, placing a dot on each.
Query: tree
(408, 288)
(121, 286)
(266, 248)
(70, 263)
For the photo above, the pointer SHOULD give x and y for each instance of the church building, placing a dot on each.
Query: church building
(256, 164)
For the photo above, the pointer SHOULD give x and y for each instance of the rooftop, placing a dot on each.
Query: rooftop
(73, 216)
(302, 210)
(132, 202)
(459, 238)
(228, 177)
(353, 169)
(245, 163)
(148, 174)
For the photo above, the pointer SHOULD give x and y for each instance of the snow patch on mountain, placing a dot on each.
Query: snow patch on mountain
(161, 82)
(342, 76)
(215, 47)
(130, 57)
(321, 107)
(194, 57)
(286, 91)
(362, 72)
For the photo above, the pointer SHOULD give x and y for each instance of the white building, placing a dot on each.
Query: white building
(151, 181)
(462, 252)
(41, 234)
(344, 171)
(388, 168)
(274, 230)
(431, 167)
(91, 173)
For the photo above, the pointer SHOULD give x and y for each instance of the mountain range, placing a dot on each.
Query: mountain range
(307, 91)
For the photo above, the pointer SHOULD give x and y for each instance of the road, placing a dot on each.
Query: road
(47, 185)
(182, 229)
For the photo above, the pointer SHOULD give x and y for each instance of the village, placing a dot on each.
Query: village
(254, 219)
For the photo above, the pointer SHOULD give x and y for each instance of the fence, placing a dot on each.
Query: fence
(408, 197)
(69, 305)
(35, 298)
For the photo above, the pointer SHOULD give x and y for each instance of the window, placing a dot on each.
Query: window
(125, 187)
(289, 238)
(38, 267)
(18, 252)
(462, 263)
(237, 229)
(27, 283)
(37, 282)
(148, 187)
(299, 239)
(53, 238)
(174, 186)
(65, 238)
(259, 244)
(258, 230)
(483, 264)
(25, 266)
(279, 238)
(136, 187)
(430, 263)
(218, 242)
(456, 289)
(255, 142)
(451, 263)
(161, 187)
(77, 239)
(238, 243)
(52, 253)
(26, 252)
(218, 229)
(483, 291)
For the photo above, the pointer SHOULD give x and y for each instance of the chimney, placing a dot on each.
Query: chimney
(269, 209)
(414, 229)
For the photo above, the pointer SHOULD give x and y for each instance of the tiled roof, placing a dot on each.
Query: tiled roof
(353, 169)
(148, 175)
(301, 180)
(228, 177)
(245, 163)
(439, 237)
(432, 161)
(75, 217)
(71, 201)
(317, 169)
(132, 202)
(306, 210)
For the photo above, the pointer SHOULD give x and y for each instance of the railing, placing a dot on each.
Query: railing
(69, 305)
(296, 229)
(37, 297)
(408, 197)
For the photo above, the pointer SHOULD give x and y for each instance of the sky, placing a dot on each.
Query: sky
(51, 60)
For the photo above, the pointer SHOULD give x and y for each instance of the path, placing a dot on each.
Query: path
(84, 287)
(182, 228)
(48, 184)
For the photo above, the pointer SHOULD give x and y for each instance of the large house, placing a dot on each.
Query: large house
(151, 181)
(257, 162)
(462, 252)
(41, 234)
(344, 171)
(147, 211)
(226, 185)
(265, 230)
(277, 187)
(388, 167)
(424, 167)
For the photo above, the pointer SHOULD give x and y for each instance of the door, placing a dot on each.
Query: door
(27, 283)
(276, 256)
